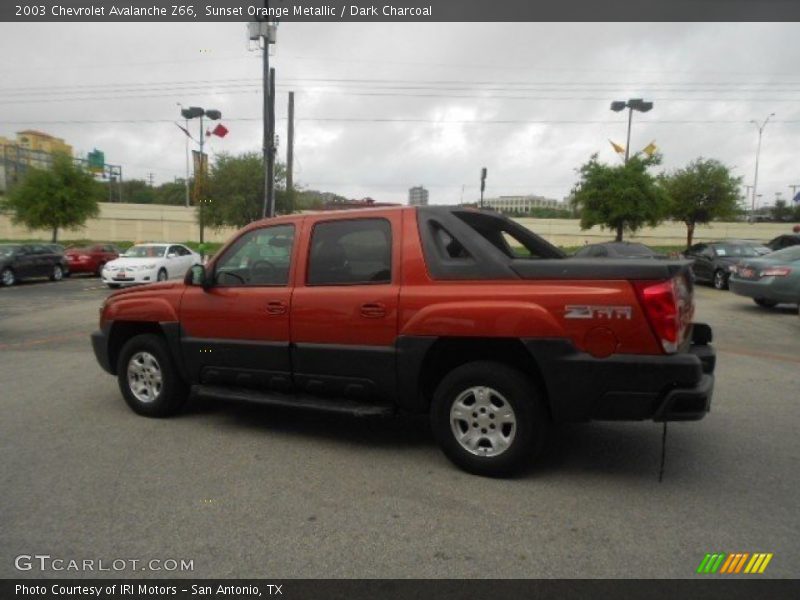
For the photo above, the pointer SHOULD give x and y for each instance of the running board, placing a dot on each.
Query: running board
(332, 405)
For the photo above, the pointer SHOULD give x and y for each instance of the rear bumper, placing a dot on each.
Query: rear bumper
(675, 387)
(767, 288)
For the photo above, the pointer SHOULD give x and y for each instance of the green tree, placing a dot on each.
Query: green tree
(64, 196)
(781, 211)
(138, 191)
(235, 190)
(701, 192)
(173, 193)
(621, 198)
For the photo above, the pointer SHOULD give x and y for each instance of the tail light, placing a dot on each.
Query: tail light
(776, 272)
(669, 309)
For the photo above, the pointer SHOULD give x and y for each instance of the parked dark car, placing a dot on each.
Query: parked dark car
(617, 250)
(713, 260)
(784, 241)
(770, 279)
(61, 251)
(24, 261)
(91, 259)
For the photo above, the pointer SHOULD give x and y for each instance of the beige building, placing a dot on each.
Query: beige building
(31, 148)
(520, 204)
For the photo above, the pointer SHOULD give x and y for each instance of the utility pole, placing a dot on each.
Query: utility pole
(271, 147)
(267, 129)
(758, 154)
(188, 203)
(201, 177)
(150, 179)
(483, 183)
(290, 155)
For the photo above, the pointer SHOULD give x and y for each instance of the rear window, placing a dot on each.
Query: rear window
(349, 252)
(789, 254)
(509, 237)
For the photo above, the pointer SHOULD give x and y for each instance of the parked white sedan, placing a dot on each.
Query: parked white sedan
(145, 263)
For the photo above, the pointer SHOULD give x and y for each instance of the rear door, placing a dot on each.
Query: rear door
(237, 332)
(344, 308)
(25, 263)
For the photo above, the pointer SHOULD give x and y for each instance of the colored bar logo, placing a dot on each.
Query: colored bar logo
(735, 563)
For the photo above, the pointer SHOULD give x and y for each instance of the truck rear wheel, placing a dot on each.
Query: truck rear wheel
(148, 379)
(488, 418)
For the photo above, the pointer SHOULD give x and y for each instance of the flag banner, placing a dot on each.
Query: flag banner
(200, 162)
(617, 148)
(220, 130)
(184, 130)
(796, 199)
(651, 148)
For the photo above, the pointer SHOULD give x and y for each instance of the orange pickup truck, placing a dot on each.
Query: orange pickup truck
(459, 313)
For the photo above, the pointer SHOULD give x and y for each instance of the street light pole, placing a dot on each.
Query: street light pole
(628, 142)
(201, 177)
(267, 133)
(758, 155)
(632, 105)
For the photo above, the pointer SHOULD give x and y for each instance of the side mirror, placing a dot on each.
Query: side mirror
(197, 275)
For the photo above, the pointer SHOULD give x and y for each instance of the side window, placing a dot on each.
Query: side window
(446, 244)
(183, 251)
(351, 252)
(260, 257)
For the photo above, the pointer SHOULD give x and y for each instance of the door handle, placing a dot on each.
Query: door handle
(373, 310)
(276, 307)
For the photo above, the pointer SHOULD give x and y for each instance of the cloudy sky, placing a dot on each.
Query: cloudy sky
(381, 107)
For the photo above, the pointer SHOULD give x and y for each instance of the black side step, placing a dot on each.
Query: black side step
(334, 405)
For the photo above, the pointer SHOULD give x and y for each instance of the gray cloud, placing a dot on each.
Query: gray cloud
(721, 75)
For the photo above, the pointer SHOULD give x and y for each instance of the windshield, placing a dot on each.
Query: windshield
(145, 251)
(738, 250)
(790, 254)
(634, 250)
(8, 250)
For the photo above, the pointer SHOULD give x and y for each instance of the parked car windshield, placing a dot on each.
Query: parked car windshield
(738, 250)
(145, 251)
(634, 250)
(790, 254)
(7, 250)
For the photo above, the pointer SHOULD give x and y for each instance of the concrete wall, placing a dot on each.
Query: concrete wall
(133, 222)
(147, 222)
(567, 232)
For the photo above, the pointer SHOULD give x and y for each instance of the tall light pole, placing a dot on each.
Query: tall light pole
(758, 154)
(632, 105)
(265, 33)
(191, 113)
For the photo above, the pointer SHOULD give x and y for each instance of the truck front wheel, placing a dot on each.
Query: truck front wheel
(488, 418)
(148, 379)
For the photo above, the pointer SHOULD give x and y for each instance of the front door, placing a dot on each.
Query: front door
(237, 331)
(344, 308)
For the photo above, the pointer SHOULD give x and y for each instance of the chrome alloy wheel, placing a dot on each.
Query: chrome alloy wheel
(483, 421)
(8, 277)
(144, 377)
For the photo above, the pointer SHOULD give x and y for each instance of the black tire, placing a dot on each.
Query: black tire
(162, 275)
(512, 387)
(57, 274)
(720, 280)
(99, 271)
(765, 303)
(8, 277)
(168, 397)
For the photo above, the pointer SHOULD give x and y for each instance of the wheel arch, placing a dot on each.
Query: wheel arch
(122, 331)
(424, 362)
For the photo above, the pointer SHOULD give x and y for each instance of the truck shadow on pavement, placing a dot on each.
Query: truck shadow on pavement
(597, 449)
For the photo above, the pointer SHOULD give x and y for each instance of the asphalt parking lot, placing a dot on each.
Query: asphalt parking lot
(249, 491)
